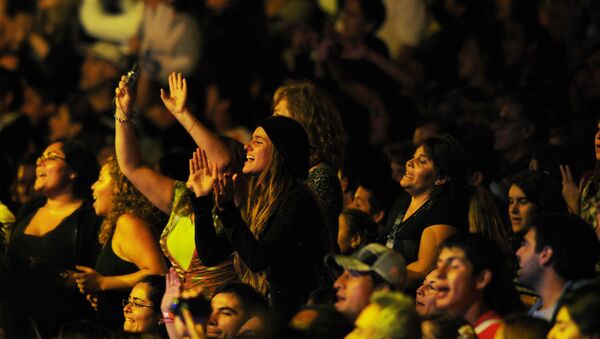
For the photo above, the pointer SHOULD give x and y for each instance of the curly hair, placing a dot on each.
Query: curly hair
(126, 199)
(316, 112)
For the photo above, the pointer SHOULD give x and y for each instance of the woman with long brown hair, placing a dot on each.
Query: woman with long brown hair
(278, 237)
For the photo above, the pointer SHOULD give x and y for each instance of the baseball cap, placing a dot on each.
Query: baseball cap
(374, 257)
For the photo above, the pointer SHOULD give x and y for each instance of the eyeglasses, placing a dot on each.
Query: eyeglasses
(134, 304)
(48, 157)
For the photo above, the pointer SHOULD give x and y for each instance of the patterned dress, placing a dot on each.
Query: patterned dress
(178, 245)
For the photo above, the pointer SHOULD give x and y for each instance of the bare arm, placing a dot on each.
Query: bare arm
(175, 102)
(431, 238)
(134, 242)
(153, 185)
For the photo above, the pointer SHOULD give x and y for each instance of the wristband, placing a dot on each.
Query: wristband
(168, 317)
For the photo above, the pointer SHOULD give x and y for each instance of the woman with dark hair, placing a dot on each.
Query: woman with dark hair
(530, 194)
(356, 230)
(578, 316)
(435, 179)
(278, 237)
(316, 112)
(142, 309)
(53, 235)
(129, 239)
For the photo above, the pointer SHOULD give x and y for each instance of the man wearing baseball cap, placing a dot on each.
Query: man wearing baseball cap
(372, 268)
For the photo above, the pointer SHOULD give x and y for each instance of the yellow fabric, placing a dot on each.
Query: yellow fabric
(178, 245)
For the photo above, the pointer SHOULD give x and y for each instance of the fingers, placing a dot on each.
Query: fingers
(171, 83)
(83, 268)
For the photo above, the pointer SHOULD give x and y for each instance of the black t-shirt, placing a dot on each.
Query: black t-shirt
(443, 208)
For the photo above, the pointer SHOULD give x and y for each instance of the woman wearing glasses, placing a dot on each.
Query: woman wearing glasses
(53, 235)
(129, 239)
(142, 309)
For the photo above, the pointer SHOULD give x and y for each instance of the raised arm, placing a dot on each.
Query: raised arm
(175, 102)
(153, 185)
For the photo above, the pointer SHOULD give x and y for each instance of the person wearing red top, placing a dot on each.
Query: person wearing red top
(472, 283)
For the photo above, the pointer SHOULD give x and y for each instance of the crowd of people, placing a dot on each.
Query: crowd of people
(299, 169)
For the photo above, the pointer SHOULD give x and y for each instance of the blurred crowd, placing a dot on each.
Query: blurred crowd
(299, 168)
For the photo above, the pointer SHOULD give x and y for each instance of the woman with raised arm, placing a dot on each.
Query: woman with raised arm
(171, 196)
(129, 242)
(279, 237)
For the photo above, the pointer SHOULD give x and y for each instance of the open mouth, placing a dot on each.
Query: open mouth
(250, 157)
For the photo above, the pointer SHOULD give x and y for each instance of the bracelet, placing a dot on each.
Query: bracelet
(127, 119)
(168, 317)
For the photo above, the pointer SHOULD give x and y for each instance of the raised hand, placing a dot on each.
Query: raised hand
(225, 188)
(203, 175)
(570, 190)
(175, 101)
(172, 290)
(123, 97)
(88, 280)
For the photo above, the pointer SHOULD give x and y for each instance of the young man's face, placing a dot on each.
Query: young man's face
(530, 268)
(353, 292)
(227, 316)
(457, 287)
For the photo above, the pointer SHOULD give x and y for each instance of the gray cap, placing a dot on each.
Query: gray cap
(374, 257)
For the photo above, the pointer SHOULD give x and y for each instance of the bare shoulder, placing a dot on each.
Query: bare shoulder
(131, 226)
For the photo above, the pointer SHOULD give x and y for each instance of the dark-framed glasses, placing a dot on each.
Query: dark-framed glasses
(134, 304)
(49, 157)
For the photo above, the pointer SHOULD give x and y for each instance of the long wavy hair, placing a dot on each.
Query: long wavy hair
(126, 199)
(316, 112)
(265, 191)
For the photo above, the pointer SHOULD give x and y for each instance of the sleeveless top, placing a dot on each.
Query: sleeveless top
(36, 263)
(110, 309)
(178, 245)
(443, 208)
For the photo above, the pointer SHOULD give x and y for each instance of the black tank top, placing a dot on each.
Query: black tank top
(110, 309)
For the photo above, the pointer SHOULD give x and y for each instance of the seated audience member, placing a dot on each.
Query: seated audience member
(356, 230)
(446, 326)
(321, 322)
(233, 305)
(142, 309)
(372, 268)
(375, 195)
(389, 315)
(530, 194)
(361, 162)
(425, 296)
(472, 283)
(523, 326)
(578, 315)
(435, 179)
(557, 251)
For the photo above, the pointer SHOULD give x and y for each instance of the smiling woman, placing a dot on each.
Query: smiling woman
(130, 249)
(142, 309)
(435, 179)
(52, 235)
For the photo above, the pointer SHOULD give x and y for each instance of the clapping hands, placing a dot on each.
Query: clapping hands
(205, 178)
